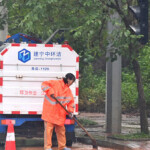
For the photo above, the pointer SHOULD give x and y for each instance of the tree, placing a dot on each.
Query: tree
(88, 31)
(133, 53)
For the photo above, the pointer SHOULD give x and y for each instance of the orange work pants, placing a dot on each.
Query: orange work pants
(60, 133)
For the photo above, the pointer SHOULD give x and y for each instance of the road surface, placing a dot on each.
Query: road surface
(75, 146)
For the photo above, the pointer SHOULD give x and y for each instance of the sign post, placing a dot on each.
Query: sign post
(113, 88)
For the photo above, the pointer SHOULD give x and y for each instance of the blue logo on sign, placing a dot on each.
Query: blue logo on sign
(24, 55)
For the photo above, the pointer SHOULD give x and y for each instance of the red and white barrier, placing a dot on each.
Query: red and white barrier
(10, 138)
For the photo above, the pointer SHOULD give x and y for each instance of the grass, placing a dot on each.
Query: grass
(135, 136)
(86, 122)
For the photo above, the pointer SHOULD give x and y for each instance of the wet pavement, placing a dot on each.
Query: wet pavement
(130, 124)
(75, 146)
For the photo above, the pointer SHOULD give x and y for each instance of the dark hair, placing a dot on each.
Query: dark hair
(69, 76)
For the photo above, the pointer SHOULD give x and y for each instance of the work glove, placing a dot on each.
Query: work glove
(71, 115)
(52, 95)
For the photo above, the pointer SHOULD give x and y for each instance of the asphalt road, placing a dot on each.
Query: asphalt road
(75, 146)
(130, 124)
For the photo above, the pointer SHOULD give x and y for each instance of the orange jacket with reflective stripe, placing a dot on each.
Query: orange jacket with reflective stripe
(52, 111)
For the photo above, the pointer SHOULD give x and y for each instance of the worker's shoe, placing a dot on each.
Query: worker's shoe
(67, 148)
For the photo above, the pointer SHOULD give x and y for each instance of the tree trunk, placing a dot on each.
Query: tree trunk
(142, 104)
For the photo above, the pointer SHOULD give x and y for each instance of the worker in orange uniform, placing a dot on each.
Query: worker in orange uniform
(53, 114)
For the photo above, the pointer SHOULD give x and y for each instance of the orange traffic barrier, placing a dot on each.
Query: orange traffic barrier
(10, 138)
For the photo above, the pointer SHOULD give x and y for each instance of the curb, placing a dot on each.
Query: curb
(134, 140)
(105, 143)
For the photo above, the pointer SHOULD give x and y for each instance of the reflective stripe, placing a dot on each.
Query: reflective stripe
(10, 137)
(54, 103)
(44, 89)
(61, 97)
(64, 102)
